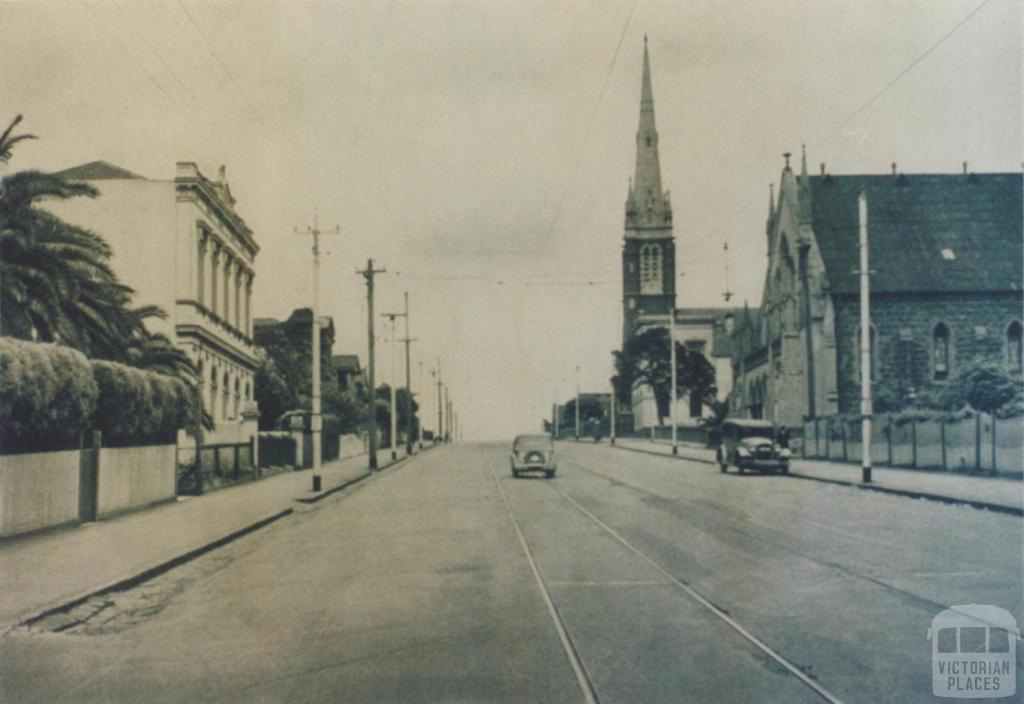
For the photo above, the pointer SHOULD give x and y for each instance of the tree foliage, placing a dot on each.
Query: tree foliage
(645, 360)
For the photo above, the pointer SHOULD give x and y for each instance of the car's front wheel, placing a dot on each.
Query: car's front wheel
(722, 466)
(549, 473)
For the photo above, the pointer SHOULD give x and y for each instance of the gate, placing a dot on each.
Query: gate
(88, 476)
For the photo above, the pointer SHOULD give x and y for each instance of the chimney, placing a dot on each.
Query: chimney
(965, 168)
(894, 168)
(823, 168)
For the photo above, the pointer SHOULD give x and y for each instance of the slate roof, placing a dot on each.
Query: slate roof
(97, 171)
(978, 219)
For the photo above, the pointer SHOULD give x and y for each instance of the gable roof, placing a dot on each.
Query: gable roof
(97, 171)
(927, 233)
(345, 362)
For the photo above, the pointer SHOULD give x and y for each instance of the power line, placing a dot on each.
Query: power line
(159, 57)
(586, 134)
(135, 61)
(858, 111)
(214, 54)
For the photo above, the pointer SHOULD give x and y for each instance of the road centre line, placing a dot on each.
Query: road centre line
(589, 694)
(614, 583)
(789, 667)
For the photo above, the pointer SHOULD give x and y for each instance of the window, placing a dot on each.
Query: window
(998, 640)
(226, 396)
(650, 269)
(1014, 356)
(695, 405)
(947, 640)
(940, 351)
(972, 639)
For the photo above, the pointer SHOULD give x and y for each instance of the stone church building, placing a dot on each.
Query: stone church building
(946, 289)
(649, 274)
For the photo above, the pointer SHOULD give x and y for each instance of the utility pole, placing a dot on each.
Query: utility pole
(394, 380)
(316, 420)
(368, 273)
(408, 383)
(440, 428)
(865, 342)
(419, 426)
(613, 410)
(447, 416)
(672, 362)
(577, 403)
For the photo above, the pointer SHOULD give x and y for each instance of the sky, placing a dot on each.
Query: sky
(480, 152)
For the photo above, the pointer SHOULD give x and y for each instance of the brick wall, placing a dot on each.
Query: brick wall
(903, 336)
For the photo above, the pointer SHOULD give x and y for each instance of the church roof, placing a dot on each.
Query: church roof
(927, 232)
(96, 171)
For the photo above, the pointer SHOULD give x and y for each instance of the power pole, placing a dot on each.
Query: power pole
(611, 440)
(447, 417)
(440, 429)
(408, 383)
(394, 381)
(368, 273)
(419, 426)
(672, 391)
(316, 420)
(577, 403)
(865, 342)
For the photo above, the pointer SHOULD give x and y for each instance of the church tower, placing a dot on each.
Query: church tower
(648, 250)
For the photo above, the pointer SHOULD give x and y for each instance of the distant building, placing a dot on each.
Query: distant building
(182, 246)
(348, 373)
(649, 274)
(946, 289)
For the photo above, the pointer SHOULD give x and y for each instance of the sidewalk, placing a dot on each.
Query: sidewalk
(45, 571)
(992, 493)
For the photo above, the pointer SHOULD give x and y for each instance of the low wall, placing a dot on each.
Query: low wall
(131, 477)
(352, 445)
(38, 490)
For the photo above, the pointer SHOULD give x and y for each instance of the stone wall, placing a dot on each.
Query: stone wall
(903, 337)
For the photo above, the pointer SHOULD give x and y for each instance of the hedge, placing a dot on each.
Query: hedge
(47, 396)
(136, 407)
(50, 395)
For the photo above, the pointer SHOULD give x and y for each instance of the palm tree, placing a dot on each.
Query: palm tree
(56, 283)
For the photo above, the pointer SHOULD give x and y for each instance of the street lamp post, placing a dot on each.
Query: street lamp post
(672, 358)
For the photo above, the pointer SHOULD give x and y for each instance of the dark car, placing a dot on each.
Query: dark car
(751, 444)
(533, 453)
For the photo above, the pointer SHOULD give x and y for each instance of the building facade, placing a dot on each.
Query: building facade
(182, 246)
(649, 274)
(946, 290)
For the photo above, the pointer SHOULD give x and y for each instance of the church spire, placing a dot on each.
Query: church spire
(646, 199)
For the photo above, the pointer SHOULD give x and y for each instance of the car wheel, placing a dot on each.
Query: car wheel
(515, 473)
(741, 468)
(722, 466)
(549, 473)
(785, 469)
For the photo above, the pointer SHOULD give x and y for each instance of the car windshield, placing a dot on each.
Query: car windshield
(532, 442)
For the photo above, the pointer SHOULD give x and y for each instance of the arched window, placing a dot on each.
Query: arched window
(940, 351)
(1014, 350)
(238, 396)
(213, 392)
(650, 269)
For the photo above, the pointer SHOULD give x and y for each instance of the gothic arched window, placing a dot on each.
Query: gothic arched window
(1014, 349)
(650, 269)
(940, 351)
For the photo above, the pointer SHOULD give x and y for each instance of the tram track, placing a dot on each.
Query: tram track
(583, 677)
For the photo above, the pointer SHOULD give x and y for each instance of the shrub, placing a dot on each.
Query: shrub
(47, 396)
(136, 407)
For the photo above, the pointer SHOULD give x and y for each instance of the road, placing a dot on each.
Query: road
(627, 578)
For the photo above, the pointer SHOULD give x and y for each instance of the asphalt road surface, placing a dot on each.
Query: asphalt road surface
(627, 578)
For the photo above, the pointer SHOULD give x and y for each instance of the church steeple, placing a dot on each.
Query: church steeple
(647, 205)
(648, 252)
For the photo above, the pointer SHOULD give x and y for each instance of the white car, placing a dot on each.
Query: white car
(533, 453)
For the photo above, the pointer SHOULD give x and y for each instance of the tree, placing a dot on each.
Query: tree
(645, 359)
(56, 283)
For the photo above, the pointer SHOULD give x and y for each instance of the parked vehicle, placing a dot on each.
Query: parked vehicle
(533, 453)
(751, 444)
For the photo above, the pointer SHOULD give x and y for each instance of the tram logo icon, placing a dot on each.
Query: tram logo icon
(974, 652)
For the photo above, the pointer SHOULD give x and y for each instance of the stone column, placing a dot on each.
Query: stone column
(238, 297)
(248, 304)
(214, 266)
(228, 262)
(200, 268)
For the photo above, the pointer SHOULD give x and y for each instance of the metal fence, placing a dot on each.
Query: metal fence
(979, 443)
(218, 464)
